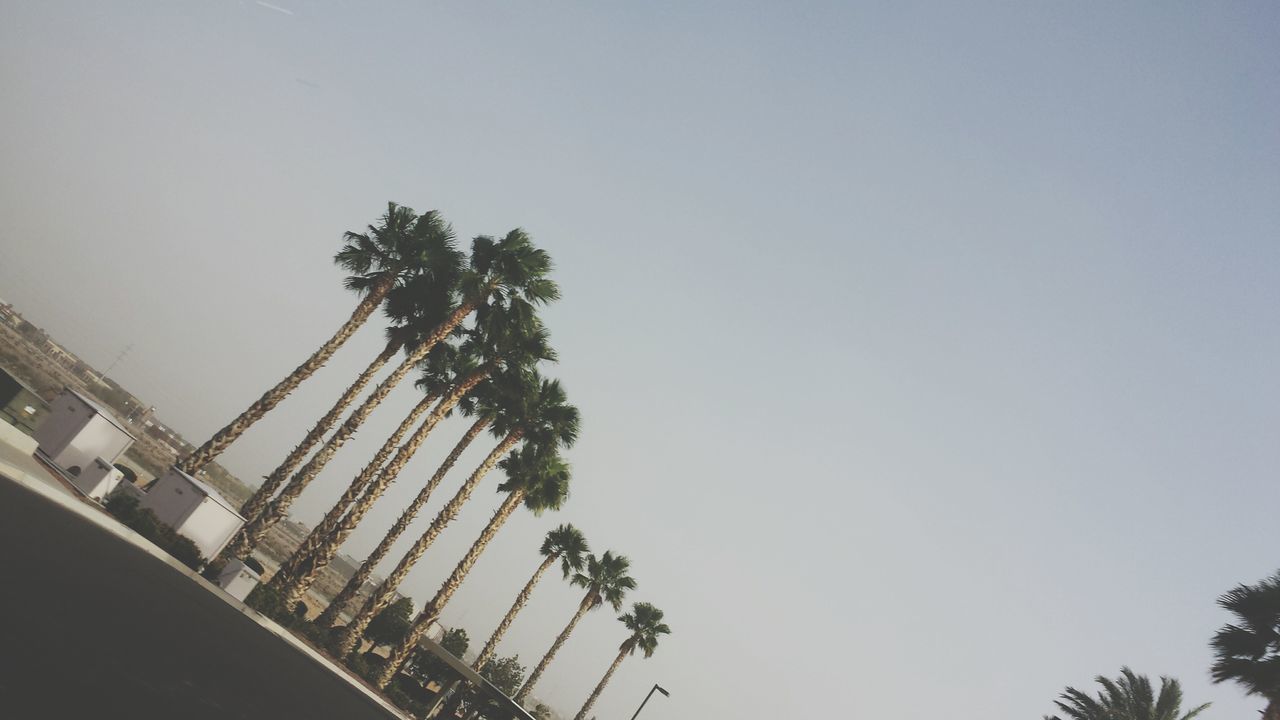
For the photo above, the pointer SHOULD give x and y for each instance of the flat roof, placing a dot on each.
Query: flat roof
(104, 412)
(207, 490)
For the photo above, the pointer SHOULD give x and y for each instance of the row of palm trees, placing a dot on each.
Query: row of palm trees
(467, 326)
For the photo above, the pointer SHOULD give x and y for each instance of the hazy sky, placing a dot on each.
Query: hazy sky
(927, 353)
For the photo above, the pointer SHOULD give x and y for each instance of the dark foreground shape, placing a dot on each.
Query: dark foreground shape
(93, 627)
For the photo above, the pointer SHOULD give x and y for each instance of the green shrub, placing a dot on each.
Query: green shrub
(269, 602)
(126, 509)
(398, 692)
(315, 634)
(365, 665)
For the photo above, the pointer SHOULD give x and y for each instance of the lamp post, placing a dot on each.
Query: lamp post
(657, 687)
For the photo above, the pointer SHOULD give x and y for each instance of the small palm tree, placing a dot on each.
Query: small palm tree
(606, 580)
(1248, 651)
(538, 479)
(565, 544)
(646, 626)
(377, 260)
(510, 273)
(1128, 697)
(543, 414)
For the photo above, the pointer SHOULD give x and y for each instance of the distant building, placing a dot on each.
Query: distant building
(9, 316)
(79, 431)
(194, 510)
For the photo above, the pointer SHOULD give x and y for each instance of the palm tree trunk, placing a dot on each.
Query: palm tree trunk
(204, 454)
(583, 608)
(251, 534)
(253, 506)
(330, 615)
(322, 544)
(277, 508)
(431, 611)
(382, 597)
(586, 707)
(491, 646)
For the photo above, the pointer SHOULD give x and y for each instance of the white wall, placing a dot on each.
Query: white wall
(11, 435)
(97, 438)
(97, 480)
(237, 579)
(210, 527)
(74, 434)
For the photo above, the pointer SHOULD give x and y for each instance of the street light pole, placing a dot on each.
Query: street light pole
(657, 687)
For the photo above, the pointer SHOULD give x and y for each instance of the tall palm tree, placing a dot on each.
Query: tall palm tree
(514, 350)
(248, 537)
(1128, 697)
(483, 407)
(565, 544)
(536, 477)
(376, 260)
(646, 626)
(544, 415)
(300, 570)
(415, 306)
(1248, 651)
(510, 272)
(271, 510)
(606, 580)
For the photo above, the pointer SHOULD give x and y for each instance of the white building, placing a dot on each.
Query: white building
(193, 509)
(98, 479)
(78, 431)
(238, 579)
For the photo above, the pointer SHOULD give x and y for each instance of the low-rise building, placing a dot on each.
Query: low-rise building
(195, 510)
(78, 431)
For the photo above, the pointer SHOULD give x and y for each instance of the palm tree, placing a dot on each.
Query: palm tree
(544, 415)
(566, 544)
(511, 272)
(516, 350)
(1128, 697)
(484, 404)
(646, 626)
(1248, 651)
(606, 580)
(377, 260)
(247, 538)
(536, 477)
(415, 306)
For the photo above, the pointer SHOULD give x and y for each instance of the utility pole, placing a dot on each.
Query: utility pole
(119, 357)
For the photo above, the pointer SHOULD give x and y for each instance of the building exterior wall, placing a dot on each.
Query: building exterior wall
(97, 438)
(75, 434)
(238, 579)
(210, 527)
(98, 479)
(66, 416)
(172, 499)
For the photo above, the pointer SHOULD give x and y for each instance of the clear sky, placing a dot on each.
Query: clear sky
(927, 352)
